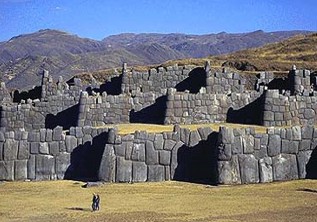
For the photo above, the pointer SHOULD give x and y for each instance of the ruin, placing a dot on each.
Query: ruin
(59, 130)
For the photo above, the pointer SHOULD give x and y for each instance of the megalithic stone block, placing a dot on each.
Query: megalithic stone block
(7, 170)
(62, 164)
(139, 171)
(45, 167)
(107, 169)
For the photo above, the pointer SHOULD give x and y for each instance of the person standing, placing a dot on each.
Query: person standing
(94, 202)
(97, 202)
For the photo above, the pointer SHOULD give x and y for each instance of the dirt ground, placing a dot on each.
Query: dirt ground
(166, 201)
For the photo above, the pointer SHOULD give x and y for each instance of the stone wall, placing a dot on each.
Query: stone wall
(47, 154)
(180, 155)
(280, 154)
(282, 110)
(188, 108)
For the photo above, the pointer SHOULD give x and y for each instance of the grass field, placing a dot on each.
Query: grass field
(166, 201)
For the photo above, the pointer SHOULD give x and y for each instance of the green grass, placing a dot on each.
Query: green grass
(165, 201)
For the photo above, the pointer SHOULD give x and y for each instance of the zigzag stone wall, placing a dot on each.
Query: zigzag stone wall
(280, 154)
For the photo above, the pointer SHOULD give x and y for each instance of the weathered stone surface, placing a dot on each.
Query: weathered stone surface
(71, 143)
(2, 138)
(34, 136)
(49, 135)
(302, 159)
(284, 167)
(156, 173)
(229, 171)
(248, 169)
(1, 151)
(185, 135)
(139, 171)
(120, 150)
(124, 170)
(266, 170)
(274, 146)
(224, 152)
(7, 170)
(107, 169)
(290, 147)
(307, 132)
(10, 149)
(138, 152)
(194, 138)
(128, 150)
(237, 146)
(20, 169)
(151, 154)
(158, 142)
(57, 133)
(34, 147)
(248, 144)
(204, 132)
(24, 152)
(296, 133)
(165, 157)
(62, 164)
(45, 167)
(304, 145)
(31, 167)
(43, 148)
(169, 144)
(226, 135)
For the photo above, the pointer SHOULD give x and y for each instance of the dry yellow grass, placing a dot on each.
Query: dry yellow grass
(166, 201)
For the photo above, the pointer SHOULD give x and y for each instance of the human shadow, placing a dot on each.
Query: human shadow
(249, 114)
(195, 80)
(311, 166)
(198, 164)
(86, 158)
(66, 118)
(153, 114)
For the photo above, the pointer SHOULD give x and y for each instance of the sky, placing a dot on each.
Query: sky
(98, 19)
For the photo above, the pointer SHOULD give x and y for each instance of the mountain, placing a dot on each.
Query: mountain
(23, 58)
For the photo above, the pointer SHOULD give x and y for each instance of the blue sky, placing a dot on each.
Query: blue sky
(97, 19)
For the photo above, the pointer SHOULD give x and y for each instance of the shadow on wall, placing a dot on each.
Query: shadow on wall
(66, 118)
(34, 93)
(249, 114)
(113, 87)
(196, 79)
(280, 84)
(85, 159)
(198, 164)
(311, 167)
(153, 114)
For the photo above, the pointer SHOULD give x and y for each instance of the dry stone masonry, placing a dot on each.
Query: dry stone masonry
(60, 130)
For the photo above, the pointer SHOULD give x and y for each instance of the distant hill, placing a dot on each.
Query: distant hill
(23, 58)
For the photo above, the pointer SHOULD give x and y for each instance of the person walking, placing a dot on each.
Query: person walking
(97, 202)
(94, 202)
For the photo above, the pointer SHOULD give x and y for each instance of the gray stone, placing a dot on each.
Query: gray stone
(34, 136)
(194, 138)
(7, 170)
(10, 149)
(24, 152)
(266, 170)
(151, 154)
(31, 167)
(185, 135)
(139, 171)
(302, 159)
(124, 170)
(274, 146)
(120, 150)
(309, 113)
(169, 144)
(138, 152)
(226, 135)
(128, 150)
(20, 169)
(290, 147)
(57, 133)
(229, 172)
(71, 143)
(1, 151)
(248, 169)
(158, 142)
(107, 169)
(296, 133)
(307, 132)
(237, 146)
(34, 147)
(285, 167)
(79, 132)
(62, 164)
(156, 173)
(45, 167)
(49, 135)
(304, 145)
(224, 152)
(174, 159)
(43, 135)
(2, 138)
(248, 144)
(204, 132)
(43, 148)
(165, 157)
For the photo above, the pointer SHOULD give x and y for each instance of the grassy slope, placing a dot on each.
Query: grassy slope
(166, 201)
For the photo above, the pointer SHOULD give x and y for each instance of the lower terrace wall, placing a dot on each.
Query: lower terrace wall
(282, 110)
(280, 154)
